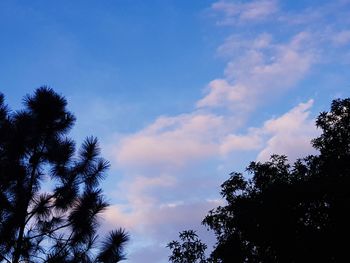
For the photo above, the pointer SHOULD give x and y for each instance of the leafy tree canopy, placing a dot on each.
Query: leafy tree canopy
(60, 224)
(189, 249)
(290, 212)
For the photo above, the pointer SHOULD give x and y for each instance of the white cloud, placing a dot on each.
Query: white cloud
(234, 44)
(172, 141)
(161, 162)
(159, 205)
(139, 192)
(181, 139)
(264, 69)
(158, 225)
(161, 196)
(319, 16)
(244, 12)
(290, 134)
(341, 38)
(250, 141)
(223, 94)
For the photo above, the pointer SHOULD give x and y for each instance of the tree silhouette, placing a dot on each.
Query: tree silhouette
(290, 213)
(190, 250)
(50, 198)
(286, 212)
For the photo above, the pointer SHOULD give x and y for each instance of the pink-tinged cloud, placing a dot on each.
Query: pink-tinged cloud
(161, 204)
(264, 69)
(165, 189)
(160, 223)
(172, 141)
(160, 195)
(250, 141)
(149, 194)
(290, 134)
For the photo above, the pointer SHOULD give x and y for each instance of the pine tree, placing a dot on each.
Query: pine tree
(50, 198)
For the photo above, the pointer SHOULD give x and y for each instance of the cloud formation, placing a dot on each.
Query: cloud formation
(341, 38)
(161, 203)
(290, 134)
(170, 166)
(240, 12)
(265, 68)
(172, 141)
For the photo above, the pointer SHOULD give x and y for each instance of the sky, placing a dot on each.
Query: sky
(180, 93)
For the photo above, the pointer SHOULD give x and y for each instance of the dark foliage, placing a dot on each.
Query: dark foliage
(113, 247)
(189, 250)
(59, 224)
(290, 213)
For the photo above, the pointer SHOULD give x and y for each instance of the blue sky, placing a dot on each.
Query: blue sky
(180, 93)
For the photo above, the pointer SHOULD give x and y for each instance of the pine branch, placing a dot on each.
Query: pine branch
(50, 231)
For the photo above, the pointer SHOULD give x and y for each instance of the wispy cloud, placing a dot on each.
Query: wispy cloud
(341, 38)
(162, 201)
(290, 134)
(240, 12)
(170, 165)
(264, 68)
(171, 141)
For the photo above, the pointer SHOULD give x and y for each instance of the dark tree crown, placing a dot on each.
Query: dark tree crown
(58, 225)
(288, 212)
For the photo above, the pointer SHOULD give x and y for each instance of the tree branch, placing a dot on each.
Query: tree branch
(50, 231)
(3, 257)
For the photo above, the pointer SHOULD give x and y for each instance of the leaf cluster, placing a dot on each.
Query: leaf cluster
(190, 249)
